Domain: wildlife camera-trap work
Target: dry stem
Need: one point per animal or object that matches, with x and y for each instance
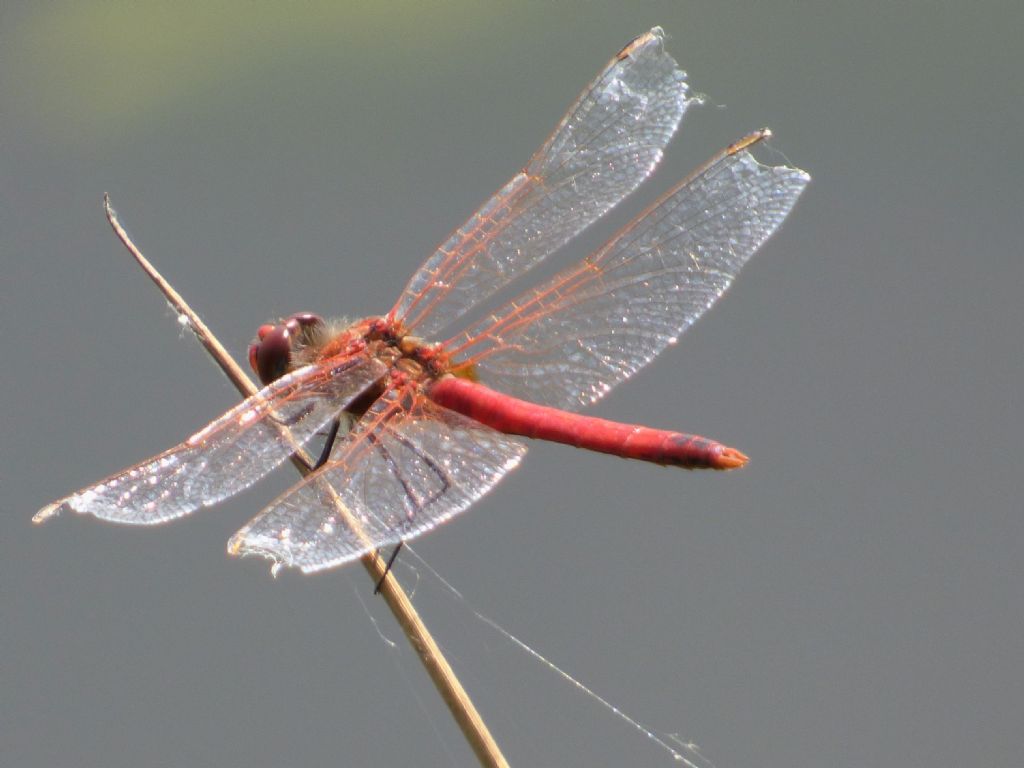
(448, 686)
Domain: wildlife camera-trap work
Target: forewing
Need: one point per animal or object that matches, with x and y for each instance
(229, 454)
(408, 466)
(607, 144)
(569, 341)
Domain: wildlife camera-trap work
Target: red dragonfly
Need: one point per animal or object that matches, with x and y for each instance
(421, 437)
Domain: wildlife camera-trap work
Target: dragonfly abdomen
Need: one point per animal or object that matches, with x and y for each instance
(520, 417)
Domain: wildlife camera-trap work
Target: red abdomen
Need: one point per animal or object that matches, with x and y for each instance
(519, 417)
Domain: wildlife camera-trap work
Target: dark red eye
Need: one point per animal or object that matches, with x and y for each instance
(304, 320)
(271, 355)
(254, 349)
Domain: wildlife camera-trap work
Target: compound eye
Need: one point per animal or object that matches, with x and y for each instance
(254, 349)
(303, 321)
(272, 354)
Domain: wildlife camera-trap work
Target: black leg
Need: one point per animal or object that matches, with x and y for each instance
(387, 568)
(328, 445)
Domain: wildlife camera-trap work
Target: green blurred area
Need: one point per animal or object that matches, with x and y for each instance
(77, 69)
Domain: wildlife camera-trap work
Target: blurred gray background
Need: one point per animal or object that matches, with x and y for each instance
(853, 598)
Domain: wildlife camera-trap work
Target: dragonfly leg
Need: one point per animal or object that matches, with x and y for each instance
(332, 435)
(387, 568)
(325, 452)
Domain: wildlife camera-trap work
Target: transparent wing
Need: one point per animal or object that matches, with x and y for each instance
(608, 143)
(569, 341)
(408, 466)
(229, 454)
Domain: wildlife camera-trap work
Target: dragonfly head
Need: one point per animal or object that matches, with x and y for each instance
(271, 355)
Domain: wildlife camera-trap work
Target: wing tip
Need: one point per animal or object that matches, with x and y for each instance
(239, 546)
(654, 35)
(748, 141)
(236, 545)
(765, 134)
(242, 544)
(50, 510)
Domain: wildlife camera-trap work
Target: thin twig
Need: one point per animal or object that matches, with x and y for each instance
(448, 686)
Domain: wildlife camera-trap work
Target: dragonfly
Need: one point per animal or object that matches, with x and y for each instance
(417, 429)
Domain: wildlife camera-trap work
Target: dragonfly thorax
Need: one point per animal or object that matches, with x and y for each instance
(305, 338)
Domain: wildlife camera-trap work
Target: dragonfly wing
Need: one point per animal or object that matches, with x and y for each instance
(569, 341)
(608, 143)
(408, 466)
(230, 453)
